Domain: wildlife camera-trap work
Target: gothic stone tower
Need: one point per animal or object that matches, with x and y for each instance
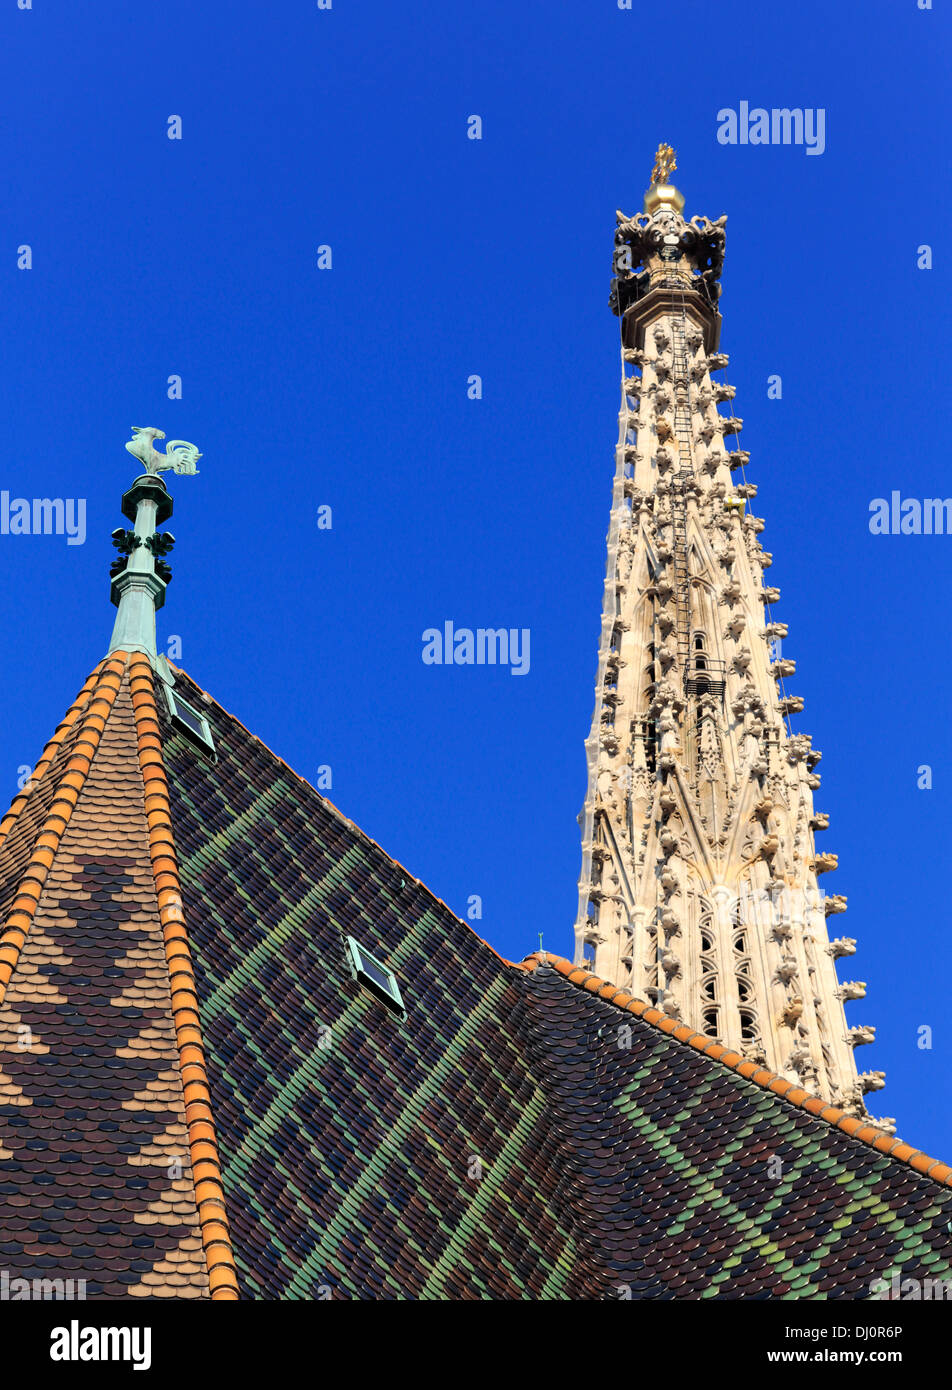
(699, 883)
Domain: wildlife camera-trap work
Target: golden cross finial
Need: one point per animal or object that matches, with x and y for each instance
(664, 163)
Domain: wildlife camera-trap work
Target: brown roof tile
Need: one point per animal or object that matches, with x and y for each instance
(84, 966)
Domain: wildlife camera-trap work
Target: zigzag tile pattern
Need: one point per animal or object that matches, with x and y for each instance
(526, 1132)
(363, 1157)
(95, 1179)
(499, 1143)
(690, 1181)
(17, 846)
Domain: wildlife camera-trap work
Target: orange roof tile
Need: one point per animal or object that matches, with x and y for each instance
(103, 686)
(92, 708)
(49, 752)
(206, 1161)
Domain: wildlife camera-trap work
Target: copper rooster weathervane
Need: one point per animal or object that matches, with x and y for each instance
(179, 454)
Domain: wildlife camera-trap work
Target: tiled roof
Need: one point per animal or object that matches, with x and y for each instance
(203, 1145)
(795, 1095)
(173, 940)
(66, 730)
(499, 1143)
(362, 1157)
(96, 1173)
(693, 1181)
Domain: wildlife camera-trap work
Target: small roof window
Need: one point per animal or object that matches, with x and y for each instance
(189, 719)
(375, 977)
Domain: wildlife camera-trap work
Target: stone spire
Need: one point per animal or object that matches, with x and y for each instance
(141, 575)
(699, 883)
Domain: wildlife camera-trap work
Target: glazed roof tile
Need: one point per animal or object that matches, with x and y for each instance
(348, 1137)
(89, 1016)
(526, 1131)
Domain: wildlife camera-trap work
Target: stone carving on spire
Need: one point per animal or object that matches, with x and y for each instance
(853, 989)
(707, 793)
(872, 1081)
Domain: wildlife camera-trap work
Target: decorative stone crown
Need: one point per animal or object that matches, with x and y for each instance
(660, 241)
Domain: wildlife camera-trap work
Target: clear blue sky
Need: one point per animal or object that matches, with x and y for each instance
(347, 387)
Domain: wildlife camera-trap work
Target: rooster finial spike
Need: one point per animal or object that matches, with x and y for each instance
(141, 574)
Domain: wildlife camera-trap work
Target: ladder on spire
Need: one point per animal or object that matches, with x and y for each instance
(682, 430)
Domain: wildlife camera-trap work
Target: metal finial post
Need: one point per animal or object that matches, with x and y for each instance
(141, 575)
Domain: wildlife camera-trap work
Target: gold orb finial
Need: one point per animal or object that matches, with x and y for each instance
(662, 193)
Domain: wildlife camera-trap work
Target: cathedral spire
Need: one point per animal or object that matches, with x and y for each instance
(699, 885)
(141, 575)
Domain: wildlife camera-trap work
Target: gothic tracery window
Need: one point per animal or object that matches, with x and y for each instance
(709, 989)
(748, 1026)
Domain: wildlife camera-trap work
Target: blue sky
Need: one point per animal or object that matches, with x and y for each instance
(347, 387)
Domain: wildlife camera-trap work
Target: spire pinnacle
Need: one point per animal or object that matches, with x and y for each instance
(699, 885)
(662, 193)
(140, 574)
(664, 164)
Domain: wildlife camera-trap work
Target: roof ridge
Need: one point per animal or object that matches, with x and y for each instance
(104, 686)
(49, 752)
(199, 1116)
(346, 819)
(751, 1071)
